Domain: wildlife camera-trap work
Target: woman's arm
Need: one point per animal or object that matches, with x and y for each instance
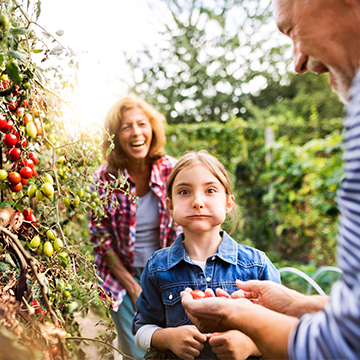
(122, 275)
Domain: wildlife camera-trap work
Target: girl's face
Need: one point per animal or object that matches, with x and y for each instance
(135, 134)
(199, 202)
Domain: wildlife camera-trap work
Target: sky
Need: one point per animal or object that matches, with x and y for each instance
(99, 32)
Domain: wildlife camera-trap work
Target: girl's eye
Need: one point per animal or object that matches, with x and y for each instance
(211, 191)
(183, 192)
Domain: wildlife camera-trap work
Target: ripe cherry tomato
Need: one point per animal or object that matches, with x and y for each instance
(7, 126)
(54, 351)
(34, 157)
(14, 166)
(16, 187)
(14, 154)
(39, 130)
(21, 142)
(35, 304)
(26, 172)
(2, 122)
(24, 181)
(197, 294)
(9, 140)
(11, 106)
(27, 118)
(32, 218)
(27, 211)
(14, 177)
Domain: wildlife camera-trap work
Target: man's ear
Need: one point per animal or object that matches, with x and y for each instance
(169, 206)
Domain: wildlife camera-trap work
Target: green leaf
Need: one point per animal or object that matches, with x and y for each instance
(47, 34)
(37, 51)
(60, 32)
(17, 55)
(13, 71)
(18, 31)
(57, 50)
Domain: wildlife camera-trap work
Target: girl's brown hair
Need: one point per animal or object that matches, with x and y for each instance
(117, 158)
(202, 157)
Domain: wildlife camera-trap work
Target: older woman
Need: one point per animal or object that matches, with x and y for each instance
(129, 233)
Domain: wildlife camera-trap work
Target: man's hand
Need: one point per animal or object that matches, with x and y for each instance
(186, 341)
(210, 314)
(232, 345)
(279, 298)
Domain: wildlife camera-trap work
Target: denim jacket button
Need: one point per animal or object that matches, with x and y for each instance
(213, 258)
(170, 297)
(208, 278)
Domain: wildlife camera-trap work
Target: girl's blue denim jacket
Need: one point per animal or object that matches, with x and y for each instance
(170, 270)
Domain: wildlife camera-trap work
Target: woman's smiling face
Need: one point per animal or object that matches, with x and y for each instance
(135, 134)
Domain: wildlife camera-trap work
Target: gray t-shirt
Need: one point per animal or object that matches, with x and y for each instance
(147, 228)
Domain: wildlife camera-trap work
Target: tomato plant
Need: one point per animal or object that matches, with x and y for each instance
(46, 166)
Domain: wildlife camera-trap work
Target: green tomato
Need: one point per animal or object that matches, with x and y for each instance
(31, 129)
(66, 293)
(48, 190)
(76, 201)
(59, 285)
(49, 179)
(50, 234)
(35, 242)
(3, 186)
(80, 192)
(39, 195)
(3, 175)
(58, 244)
(32, 191)
(66, 201)
(40, 250)
(4, 21)
(48, 249)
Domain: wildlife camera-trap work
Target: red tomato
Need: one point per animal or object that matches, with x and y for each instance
(34, 171)
(21, 143)
(39, 130)
(9, 140)
(197, 294)
(34, 157)
(14, 177)
(11, 106)
(7, 126)
(14, 154)
(32, 218)
(13, 166)
(2, 122)
(26, 172)
(27, 211)
(16, 187)
(35, 304)
(24, 181)
(54, 351)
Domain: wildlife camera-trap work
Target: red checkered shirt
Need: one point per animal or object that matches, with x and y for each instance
(117, 229)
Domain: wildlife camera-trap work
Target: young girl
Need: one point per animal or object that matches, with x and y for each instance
(203, 256)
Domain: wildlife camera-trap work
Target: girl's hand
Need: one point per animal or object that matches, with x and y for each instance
(232, 345)
(186, 341)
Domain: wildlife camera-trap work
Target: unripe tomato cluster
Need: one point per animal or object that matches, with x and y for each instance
(47, 246)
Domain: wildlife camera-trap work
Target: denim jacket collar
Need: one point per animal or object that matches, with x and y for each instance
(226, 250)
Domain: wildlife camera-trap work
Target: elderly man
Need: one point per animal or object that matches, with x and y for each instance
(282, 322)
